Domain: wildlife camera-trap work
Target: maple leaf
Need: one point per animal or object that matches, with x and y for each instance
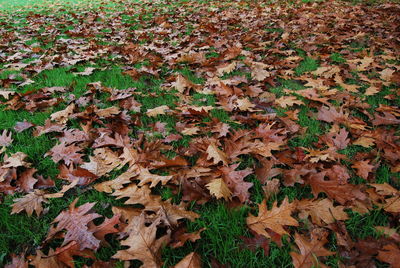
(192, 260)
(5, 138)
(310, 250)
(363, 168)
(216, 154)
(390, 254)
(30, 203)
(68, 153)
(218, 188)
(75, 221)
(142, 242)
(321, 211)
(273, 219)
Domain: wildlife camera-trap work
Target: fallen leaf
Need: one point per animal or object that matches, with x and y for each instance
(274, 219)
(218, 188)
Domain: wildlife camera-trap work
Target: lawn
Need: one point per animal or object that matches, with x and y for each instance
(199, 133)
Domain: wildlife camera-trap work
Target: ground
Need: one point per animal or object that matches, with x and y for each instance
(200, 111)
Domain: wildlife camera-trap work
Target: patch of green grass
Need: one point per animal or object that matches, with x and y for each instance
(307, 65)
(362, 225)
(221, 240)
(337, 58)
(314, 129)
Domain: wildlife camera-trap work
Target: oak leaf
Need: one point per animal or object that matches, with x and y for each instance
(363, 168)
(321, 211)
(310, 251)
(274, 219)
(286, 101)
(75, 221)
(31, 202)
(157, 111)
(387, 119)
(5, 138)
(21, 126)
(68, 153)
(235, 181)
(218, 188)
(192, 260)
(63, 115)
(216, 154)
(15, 160)
(390, 254)
(226, 68)
(142, 242)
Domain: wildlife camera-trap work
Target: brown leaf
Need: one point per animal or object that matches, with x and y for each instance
(142, 242)
(68, 153)
(216, 154)
(274, 219)
(192, 260)
(5, 138)
(30, 202)
(15, 160)
(21, 126)
(363, 168)
(26, 181)
(66, 253)
(390, 254)
(218, 188)
(181, 237)
(75, 221)
(310, 251)
(235, 181)
(321, 211)
(157, 111)
(258, 241)
(17, 262)
(387, 119)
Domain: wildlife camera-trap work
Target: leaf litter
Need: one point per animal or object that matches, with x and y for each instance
(245, 54)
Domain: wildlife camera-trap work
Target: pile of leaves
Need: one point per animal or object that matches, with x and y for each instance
(241, 119)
